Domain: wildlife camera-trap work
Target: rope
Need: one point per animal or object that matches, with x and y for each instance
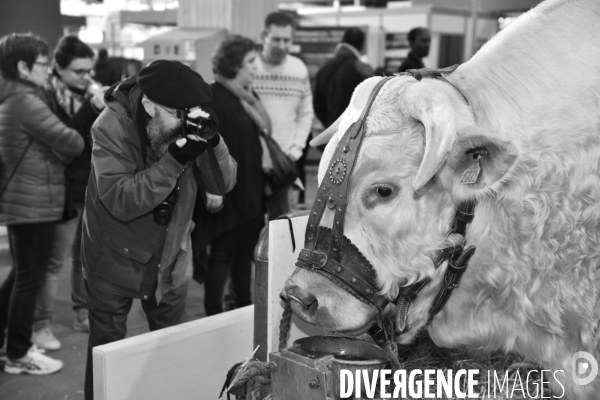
(256, 373)
(284, 326)
(391, 348)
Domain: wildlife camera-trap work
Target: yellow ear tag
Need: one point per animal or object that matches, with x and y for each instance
(471, 174)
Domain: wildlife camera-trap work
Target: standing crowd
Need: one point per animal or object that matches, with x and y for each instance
(131, 181)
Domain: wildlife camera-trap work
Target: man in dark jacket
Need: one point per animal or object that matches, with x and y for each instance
(140, 198)
(337, 79)
(105, 73)
(420, 41)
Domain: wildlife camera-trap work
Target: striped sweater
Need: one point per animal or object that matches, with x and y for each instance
(285, 92)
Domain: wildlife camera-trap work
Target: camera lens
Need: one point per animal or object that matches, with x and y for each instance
(203, 127)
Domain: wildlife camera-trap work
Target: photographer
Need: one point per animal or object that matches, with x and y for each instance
(146, 162)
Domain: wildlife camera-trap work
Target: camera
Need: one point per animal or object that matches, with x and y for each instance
(164, 211)
(206, 128)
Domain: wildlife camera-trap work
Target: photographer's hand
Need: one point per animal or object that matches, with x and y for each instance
(97, 99)
(198, 112)
(214, 203)
(186, 149)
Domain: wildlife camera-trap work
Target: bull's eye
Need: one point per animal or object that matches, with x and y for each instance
(384, 191)
(379, 194)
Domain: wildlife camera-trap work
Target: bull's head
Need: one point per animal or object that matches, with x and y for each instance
(402, 194)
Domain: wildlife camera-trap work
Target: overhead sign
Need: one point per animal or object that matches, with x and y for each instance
(395, 41)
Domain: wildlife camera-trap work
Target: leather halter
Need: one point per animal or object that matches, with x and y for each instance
(324, 256)
(331, 254)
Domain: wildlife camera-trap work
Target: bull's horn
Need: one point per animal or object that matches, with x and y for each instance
(327, 134)
(425, 102)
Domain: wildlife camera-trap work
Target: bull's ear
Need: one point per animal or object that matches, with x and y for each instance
(479, 161)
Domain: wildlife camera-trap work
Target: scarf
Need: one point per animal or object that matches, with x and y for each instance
(68, 99)
(256, 111)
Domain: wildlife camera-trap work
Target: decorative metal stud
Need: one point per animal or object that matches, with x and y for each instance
(368, 290)
(346, 149)
(331, 202)
(353, 280)
(338, 269)
(337, 171)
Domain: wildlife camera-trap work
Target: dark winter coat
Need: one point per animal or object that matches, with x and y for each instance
(246, 201)
(121, 241)
(36, 192)
(335, 83)
(411, 62)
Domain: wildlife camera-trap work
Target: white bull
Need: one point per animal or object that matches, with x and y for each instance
(532, 285)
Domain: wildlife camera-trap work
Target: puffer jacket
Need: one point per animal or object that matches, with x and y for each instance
(36, 192)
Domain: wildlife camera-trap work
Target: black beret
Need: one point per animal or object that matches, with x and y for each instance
(174, 85)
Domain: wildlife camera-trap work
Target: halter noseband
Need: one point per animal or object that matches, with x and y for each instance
(331, 254)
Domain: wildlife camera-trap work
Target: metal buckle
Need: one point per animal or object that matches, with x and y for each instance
(450, 286)
(322, 261)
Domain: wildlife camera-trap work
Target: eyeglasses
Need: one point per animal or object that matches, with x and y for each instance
(172, 112)
(82, 72)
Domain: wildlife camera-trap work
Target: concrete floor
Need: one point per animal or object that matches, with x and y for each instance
(68, 383)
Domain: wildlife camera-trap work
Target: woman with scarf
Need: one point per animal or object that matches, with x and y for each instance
(232, 228)
(74, 102)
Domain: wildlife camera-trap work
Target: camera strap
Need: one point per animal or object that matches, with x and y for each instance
(216, 182)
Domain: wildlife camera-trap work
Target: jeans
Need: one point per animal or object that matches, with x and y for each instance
(30, 247)
(108, 318)
(67, 243)
(231, 252)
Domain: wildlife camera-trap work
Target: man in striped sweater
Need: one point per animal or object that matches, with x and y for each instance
(282, 82)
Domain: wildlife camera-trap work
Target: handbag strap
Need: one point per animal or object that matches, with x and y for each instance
(15, 169)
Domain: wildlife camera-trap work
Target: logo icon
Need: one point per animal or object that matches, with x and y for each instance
(584, 368)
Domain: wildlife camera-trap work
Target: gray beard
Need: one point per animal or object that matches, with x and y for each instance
(160, 137)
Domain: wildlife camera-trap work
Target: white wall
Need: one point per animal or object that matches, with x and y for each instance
(187, 361)
(404, 22)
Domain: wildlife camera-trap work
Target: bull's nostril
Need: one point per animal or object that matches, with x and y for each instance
(284, 297)
(309, 301)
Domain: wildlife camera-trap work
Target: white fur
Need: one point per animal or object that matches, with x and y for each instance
(532, 285)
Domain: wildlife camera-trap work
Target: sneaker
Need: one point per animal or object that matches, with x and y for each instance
(34, 363)
(81, 322)
(44, 339)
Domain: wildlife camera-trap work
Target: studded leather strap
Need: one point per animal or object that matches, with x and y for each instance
(333, 191)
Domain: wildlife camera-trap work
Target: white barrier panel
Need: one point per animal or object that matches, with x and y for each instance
(187, 361)
(281, 265)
